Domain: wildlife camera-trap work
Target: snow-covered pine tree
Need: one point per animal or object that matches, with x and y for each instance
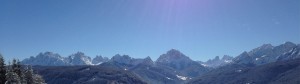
(32, 78)
(38, 79)
(2, 70)
(28, 73)
(16, 67)
(12, 77)
(23, 79)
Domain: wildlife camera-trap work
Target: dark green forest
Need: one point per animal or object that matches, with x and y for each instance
(15, 73)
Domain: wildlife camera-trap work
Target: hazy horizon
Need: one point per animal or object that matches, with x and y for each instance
(200, 29)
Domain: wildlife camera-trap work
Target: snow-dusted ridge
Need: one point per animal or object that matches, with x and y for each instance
(54, 59)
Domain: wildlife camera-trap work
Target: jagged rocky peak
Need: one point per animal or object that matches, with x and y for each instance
(288, 43)
(172, 55)
(79, 59)
(217, 62)
(46, 58)
(217, 58)
(266, 46)
(48, 54)
(243, 58)
(178, 61)
(262, 50)
(79, 54)
(148, 60)
(227, 57)
(120, 57)
(244, 54)
(175, 53)
(292, 54)
(126, 59)
(266, 54)
(284, 47)
(99, 59)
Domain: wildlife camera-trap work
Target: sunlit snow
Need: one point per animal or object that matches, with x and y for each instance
(181, 77)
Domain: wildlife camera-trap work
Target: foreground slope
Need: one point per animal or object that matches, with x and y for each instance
(86, 75)
(281, 72)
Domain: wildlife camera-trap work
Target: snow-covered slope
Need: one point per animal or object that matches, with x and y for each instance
(292, 54)
(266, 54)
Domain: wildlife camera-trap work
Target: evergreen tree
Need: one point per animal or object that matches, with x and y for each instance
(12, 77)
(38, 79)
(32, 78)
(29, 75)
(16, 66)
(15, 74)
(2, 70)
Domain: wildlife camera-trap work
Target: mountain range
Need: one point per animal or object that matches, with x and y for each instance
(174, 67)
(54, 59)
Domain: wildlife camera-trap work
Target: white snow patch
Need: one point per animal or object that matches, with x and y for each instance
(293, 53)
(168, 78)
(93, 78)
(204, 65)
(181, 77)
(256, 58)
(98, 63)
(239, 70)
(227, 61)
(87, 69)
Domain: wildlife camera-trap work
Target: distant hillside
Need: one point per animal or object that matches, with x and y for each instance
(86, 75)
(281, 72)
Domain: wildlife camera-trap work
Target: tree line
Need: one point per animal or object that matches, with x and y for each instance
(15, 73)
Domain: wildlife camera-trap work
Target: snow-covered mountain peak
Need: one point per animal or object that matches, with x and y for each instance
(79, 59)
(227, 57)
(148, 61)
(173, 55)
(266, 54)
(266, 46)
(49, 54)
(126, 59)
(216, 62)
(288, 43)
(178, 61)
(47, 58)
(217, 58)
(176, 54)
(99, 59)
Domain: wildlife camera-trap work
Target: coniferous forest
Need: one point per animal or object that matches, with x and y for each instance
(15, 73)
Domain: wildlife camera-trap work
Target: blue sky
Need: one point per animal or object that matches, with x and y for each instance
(201, 29)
